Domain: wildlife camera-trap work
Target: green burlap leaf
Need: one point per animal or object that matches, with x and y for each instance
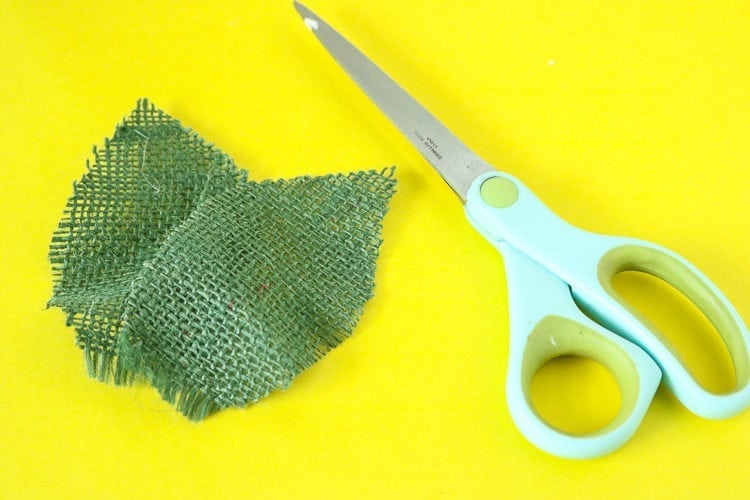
(172, 267)
(256, 285)
(146, 180)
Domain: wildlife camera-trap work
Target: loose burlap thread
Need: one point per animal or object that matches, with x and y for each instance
(175, 269)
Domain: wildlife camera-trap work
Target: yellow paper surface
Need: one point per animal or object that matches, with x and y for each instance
(625, 117)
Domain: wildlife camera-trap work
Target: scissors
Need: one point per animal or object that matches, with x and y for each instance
(559, 278)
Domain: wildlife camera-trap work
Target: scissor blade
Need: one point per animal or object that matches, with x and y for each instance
(451, 158)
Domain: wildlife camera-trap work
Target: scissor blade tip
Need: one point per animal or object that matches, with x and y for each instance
(311, 20)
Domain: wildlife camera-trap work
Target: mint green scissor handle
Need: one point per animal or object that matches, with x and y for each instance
(545, 324)
(552, 269)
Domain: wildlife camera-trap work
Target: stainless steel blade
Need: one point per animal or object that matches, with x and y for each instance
(451, 158)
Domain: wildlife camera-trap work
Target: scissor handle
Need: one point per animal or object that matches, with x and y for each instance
(504, 210)
(544, 324)
(618, 315)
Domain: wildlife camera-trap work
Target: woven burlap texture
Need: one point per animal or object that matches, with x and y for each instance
(147, 179)
(173, 268)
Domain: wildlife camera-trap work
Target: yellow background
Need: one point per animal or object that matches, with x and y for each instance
(625, 117)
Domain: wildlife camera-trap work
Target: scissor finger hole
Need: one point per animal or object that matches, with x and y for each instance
(575, 394)
(682, 309)
(682, 326)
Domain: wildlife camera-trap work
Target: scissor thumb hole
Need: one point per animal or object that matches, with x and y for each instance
(696, 288)
(574, 394)
(558, 339)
